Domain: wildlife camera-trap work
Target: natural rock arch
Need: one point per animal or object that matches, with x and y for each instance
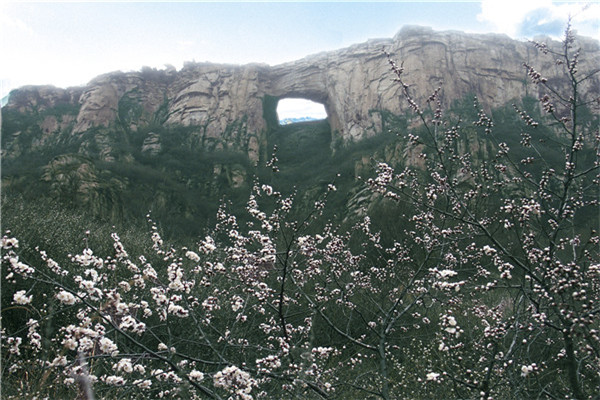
(303, 81)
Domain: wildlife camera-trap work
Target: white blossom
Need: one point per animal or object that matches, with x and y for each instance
(108, 346)
(489, 251)
(21, 298)
(124, 365)
(192, 256)
(527, 369)
(143, 383)
(115, 380)
(235, 380)
(196, 375)
(433, 376)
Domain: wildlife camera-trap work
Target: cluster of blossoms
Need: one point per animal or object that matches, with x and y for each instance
(433, 376)
(441, 280)
(535, 76)
(526, 117)
(196, 376)
(107, 346)
(547, 105)
(21, 298)
(450, 325)
(16, 266)
(66, 298)
(322, 352)
(484, 121)
(527, 369)
(35, 339)
(235, 381)
(268, 364)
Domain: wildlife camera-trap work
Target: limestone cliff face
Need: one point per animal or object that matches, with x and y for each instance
(224, 103)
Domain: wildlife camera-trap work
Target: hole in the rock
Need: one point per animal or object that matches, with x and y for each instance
(302, 136)
(292, 110)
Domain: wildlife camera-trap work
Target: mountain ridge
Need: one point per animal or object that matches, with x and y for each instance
(226, 103)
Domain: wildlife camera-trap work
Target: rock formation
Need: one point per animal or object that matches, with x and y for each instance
(225, 103)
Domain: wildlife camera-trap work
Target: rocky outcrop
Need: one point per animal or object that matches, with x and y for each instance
(151, 144)
(224, 104)
(34, 99)
(130, 99)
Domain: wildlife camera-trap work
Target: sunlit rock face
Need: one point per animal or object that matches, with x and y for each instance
(224, 103)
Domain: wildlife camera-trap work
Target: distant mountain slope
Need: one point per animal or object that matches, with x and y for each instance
(287, 121)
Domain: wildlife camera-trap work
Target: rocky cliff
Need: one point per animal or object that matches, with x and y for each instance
(179, 143)
(225, 105)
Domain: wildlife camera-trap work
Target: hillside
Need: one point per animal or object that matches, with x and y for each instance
(176, 142)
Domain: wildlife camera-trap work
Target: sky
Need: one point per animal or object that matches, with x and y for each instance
(69, 43)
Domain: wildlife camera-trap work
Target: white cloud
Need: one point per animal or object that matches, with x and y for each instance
(505, 15)
(10, 23)
(519, 19)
